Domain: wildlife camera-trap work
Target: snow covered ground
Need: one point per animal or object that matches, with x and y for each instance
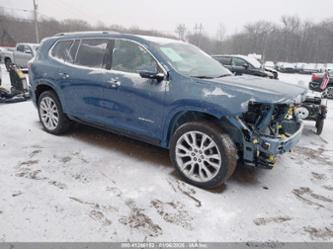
(90, 185)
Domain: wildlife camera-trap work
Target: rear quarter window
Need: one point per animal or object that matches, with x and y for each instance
(61, 51)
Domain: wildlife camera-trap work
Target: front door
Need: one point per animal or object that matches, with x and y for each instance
(136, 104)
(239, 66)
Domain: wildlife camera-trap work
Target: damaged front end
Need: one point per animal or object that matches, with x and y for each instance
(268, 130)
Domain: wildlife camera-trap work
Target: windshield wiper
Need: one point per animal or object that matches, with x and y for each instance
(202, 77)
(211, 77)
(224, 75)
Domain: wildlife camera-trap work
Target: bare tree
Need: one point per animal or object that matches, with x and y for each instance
(181, 31)
(221, 32)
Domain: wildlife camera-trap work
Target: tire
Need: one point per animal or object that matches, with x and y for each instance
(191, 160)
(329, 94)
(48, 105)
(319, 126)
(8, 63)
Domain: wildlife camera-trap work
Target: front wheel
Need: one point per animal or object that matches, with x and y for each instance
(202, 154)
(51, 115)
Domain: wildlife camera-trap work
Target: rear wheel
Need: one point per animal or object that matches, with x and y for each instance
(51, 115)
(202, 154)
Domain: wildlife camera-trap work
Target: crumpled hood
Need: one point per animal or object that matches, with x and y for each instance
(234, 92)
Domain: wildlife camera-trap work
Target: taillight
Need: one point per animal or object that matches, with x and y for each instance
(315, 77)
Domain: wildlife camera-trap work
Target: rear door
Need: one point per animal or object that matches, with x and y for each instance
(83, 77)
(88, 80)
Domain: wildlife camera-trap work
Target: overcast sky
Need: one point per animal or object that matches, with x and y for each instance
(164, 15)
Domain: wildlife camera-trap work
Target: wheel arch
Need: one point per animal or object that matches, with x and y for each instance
(44, 85)
(184, 116)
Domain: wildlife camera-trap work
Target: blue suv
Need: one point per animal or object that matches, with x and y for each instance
(167, 93)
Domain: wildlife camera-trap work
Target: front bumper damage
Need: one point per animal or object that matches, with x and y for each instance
(269, 135)
(268, 148)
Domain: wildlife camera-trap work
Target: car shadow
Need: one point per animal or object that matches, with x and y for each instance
(149, 153)
(144, 152)
(138, 150)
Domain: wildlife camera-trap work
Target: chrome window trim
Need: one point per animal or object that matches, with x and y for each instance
(101, 38)
(54, 45)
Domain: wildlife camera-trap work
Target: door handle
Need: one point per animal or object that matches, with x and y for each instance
(64, 75)
(114, 84)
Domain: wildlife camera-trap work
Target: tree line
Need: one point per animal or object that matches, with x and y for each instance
(290, 40)
(14, 29)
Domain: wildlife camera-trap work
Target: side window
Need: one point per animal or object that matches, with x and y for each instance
(93, 53)
(20, 48)
(130, 57)
(238, 62)
(27, 49)
(62, 51)
(225, 60)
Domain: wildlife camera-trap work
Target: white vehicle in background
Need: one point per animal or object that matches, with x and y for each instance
(310, 68)
(20, 56)
(321, 67)
(299, 67)
(1, 53)
(286, 67)
(3, 50)
(329, 66)
(269, 64)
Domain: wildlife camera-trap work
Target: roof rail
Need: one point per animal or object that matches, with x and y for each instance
(86, 32)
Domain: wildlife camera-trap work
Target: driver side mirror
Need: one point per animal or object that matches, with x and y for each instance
(27, 51)
(151, 75)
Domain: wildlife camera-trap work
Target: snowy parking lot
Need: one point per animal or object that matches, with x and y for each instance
(90, 185)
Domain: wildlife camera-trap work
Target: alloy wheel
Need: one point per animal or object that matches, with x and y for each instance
(198, 156)
(329, 93)
(49, 113)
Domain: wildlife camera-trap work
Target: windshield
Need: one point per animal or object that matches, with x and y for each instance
(191, 61)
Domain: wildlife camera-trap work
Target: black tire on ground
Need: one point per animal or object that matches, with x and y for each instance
(8, 63)
(224, 143)
(329, 94)
(64, 123)
(319, 126)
